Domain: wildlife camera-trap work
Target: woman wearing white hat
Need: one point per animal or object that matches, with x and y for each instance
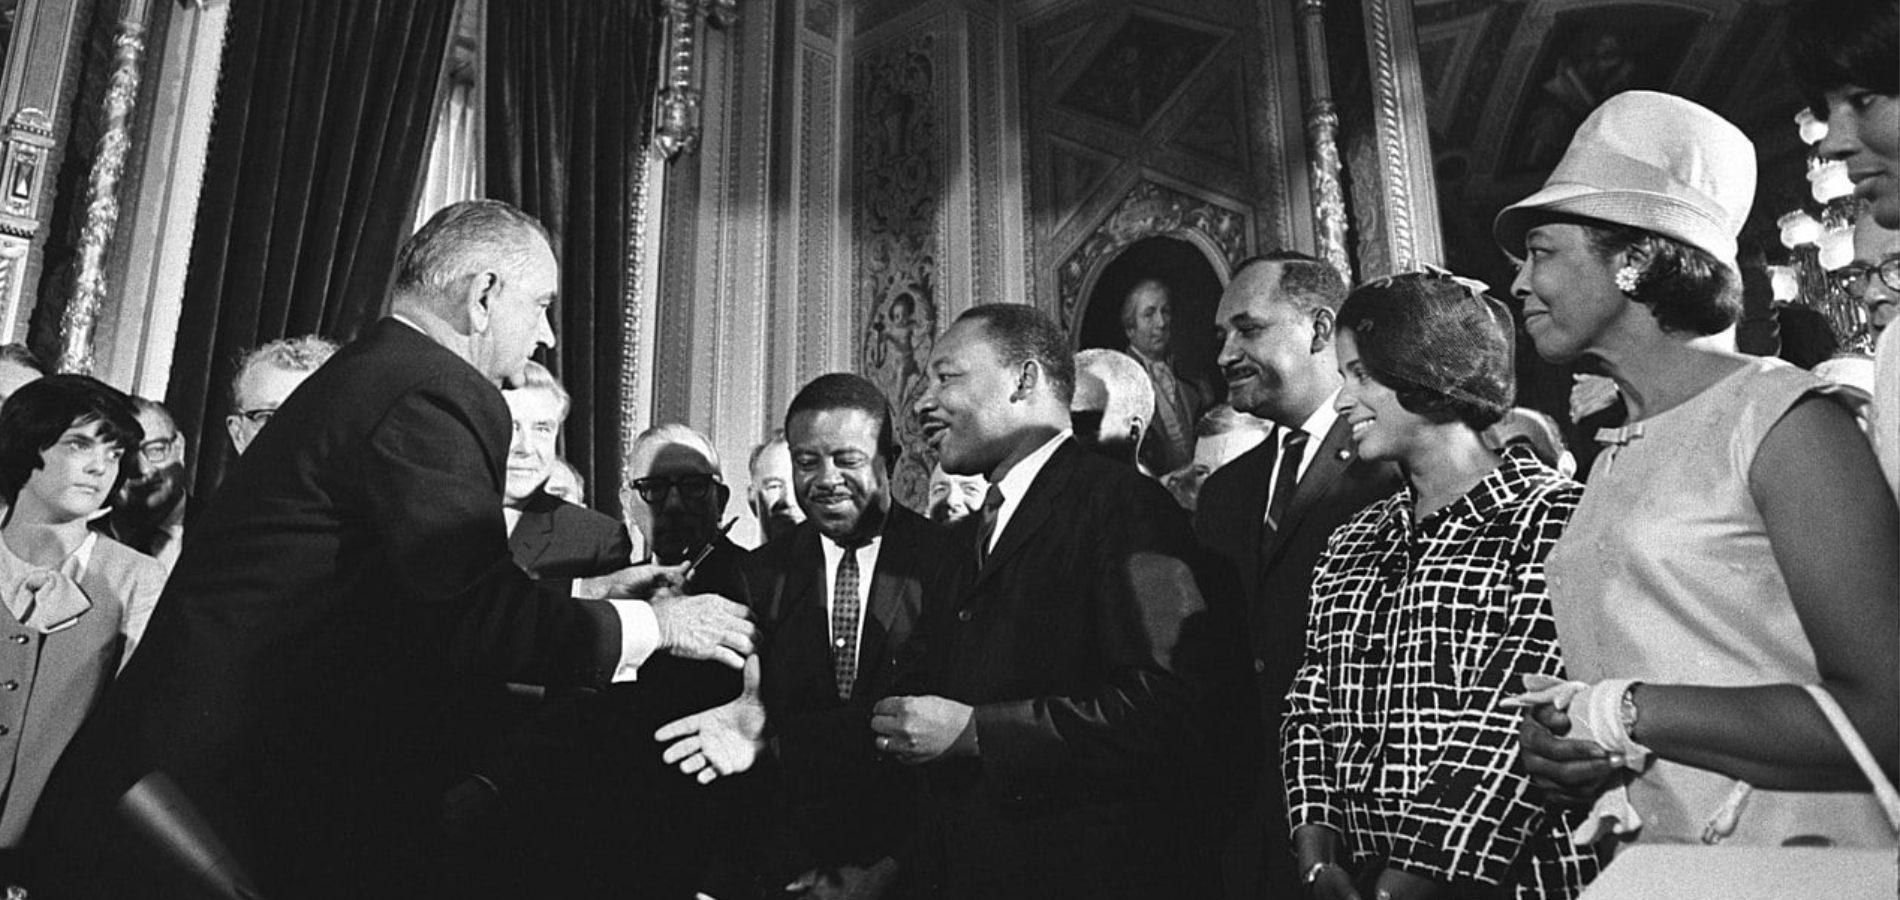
(1735, 542)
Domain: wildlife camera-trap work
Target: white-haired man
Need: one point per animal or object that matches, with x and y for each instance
(1113, 405)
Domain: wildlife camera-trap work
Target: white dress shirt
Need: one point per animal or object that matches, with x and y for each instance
(1316, 428)
(1017, 480)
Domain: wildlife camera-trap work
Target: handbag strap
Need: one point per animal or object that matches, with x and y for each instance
(1889, 799)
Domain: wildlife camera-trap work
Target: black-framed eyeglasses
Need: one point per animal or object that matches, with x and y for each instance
(1854, 277)
(691, 487)
(157, 449)
(258, 417)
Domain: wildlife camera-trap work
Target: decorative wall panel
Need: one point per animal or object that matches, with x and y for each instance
(898, 184)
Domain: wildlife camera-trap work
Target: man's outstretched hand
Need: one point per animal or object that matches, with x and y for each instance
(724, 740)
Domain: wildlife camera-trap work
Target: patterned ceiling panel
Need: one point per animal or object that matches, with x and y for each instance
(1132, 77)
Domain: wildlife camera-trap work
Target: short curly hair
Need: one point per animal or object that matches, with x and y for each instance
(33, 419)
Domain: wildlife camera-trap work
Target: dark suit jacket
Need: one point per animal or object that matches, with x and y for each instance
(591, 809)
(1264, 581)
(837, 801)
(1079, 644)
(557, 540)
(350, 577)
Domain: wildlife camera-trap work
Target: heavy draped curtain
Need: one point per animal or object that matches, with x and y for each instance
(310, 184)
(570, 88)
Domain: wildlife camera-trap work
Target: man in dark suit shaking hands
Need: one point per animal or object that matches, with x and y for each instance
(1266, 515)
(1060, 698)
(352, 575)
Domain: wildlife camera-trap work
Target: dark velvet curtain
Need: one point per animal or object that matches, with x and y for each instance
(570, 88)
(316, 155)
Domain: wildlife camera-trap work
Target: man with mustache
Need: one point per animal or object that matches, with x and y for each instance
(148, 514)
(1058, 714)
(1266, 516)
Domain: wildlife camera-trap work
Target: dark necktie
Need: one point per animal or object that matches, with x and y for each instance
(844, 623)
(1292, 447)
(992, 504)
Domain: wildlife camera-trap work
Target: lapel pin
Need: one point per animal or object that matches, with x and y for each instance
(1343, 454)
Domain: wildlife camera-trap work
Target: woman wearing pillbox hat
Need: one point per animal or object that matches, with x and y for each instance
(1736, 542)
(1429, 609)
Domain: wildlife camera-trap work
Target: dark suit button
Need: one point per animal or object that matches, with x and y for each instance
(9, 685)
(18, 638)
(963, 615)
(1259, 666)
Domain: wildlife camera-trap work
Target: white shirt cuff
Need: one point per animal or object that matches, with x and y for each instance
(639, 637)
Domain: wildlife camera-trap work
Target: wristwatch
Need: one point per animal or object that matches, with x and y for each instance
(1312, 872)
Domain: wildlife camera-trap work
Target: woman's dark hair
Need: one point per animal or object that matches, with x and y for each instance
(33, 419)
(1835, 43)
(1439, 343)
(1683, 286)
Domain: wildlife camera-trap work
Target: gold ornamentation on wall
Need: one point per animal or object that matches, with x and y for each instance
(102, 202)
(677, 116)
(1322, 142)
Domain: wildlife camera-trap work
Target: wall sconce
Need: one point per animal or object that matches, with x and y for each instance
(677, 108)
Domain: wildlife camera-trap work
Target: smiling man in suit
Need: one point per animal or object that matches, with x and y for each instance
(551, 538)
(1059, 701)
(1266, 515)
(838, 598)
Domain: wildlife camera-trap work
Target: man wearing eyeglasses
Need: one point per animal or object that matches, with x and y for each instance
(149, 512)
(265, 379)
(1874, 277)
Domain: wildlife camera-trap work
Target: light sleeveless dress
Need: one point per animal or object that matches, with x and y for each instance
(1666, 575)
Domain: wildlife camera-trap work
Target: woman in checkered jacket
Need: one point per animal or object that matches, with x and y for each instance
(1428, 609)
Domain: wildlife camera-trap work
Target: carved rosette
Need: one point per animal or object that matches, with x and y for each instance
(102, 202)
(1150, 210)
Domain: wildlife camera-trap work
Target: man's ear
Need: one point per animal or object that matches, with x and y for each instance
(1027, 375)
(1322, 329)
(724, 492)
(1137, 427)
(483, 288)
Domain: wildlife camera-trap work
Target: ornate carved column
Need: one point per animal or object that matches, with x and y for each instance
(1322, 141)
(102, 202)
(1403, 178)
(28, 138)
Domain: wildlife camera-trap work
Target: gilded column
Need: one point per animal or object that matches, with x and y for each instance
(102, 202)
(1322, 141)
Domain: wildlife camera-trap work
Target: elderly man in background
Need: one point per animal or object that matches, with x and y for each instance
(549, 537)
(953, 497)
(1874, 277)
(770, 492)
(1113, 405)
(265, 379)
(149, 513)
(1180, 395)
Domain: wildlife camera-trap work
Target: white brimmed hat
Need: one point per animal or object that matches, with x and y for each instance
(1651, 161)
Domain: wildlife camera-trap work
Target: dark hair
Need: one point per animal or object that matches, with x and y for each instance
(1443, 347)
(40, 411)
(1685, 288)
(22, 355)
(1310, 282)
(843, 390)
(1835, 43)
(1022, 334)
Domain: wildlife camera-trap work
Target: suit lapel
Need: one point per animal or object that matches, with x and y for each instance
(534, 533)
(1334, 456)
(887, 620)
(1032, 512)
